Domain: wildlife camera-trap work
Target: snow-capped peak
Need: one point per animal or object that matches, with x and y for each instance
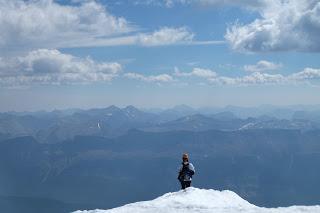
(194, 200)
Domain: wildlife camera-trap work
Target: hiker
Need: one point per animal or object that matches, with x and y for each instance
(186, 171)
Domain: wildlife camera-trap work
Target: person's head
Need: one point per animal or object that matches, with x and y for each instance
(185, 157)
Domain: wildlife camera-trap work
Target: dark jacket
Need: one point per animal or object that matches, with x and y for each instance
(185, 172)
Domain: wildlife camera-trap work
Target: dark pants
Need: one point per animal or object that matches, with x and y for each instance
(185, 184)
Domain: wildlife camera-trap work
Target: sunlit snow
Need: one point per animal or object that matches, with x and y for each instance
(201, 201)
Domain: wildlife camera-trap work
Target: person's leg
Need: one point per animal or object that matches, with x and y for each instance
(183, 185)
(188, 184)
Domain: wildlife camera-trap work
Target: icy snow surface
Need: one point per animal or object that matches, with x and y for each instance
(201, 201)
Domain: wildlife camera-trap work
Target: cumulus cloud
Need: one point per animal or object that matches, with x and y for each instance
(198, 72)
(306, 74)
(45, 66)
(283, 26)
(152, 78)
(35, 24)
(262, 66)
(46, 23)
(32, 30)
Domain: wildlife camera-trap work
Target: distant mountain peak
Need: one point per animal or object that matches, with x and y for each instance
(113, 108)
(131, 108)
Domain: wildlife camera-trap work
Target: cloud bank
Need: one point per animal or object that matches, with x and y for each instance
(31, 32)
(255, 78)
(45, 66)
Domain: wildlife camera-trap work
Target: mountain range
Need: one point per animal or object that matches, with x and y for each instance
(267, 167)
(58, 126)
(62, 161)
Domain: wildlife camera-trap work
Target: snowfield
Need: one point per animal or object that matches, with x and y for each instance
(201, 201)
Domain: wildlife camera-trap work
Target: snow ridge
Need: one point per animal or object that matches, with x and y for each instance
(194, 200)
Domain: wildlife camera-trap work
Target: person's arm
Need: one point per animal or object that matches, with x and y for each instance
(180, 172)
(191, 169)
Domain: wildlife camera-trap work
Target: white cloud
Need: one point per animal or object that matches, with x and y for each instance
(255, 78)
(45, 66)
(35, 24)
(306, 74)
(166, 36)
(283, 26)
(262, 66)
(161, 37)
(303, 76)
(250, 4)
(198, 72)
(152, 78)
(46, 23)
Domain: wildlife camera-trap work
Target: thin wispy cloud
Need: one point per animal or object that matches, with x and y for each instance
(250, 4)
(166, 36)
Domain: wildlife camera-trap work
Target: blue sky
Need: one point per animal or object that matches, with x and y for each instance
(147, 53)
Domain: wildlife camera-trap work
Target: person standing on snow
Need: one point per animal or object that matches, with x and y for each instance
(186, 171)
